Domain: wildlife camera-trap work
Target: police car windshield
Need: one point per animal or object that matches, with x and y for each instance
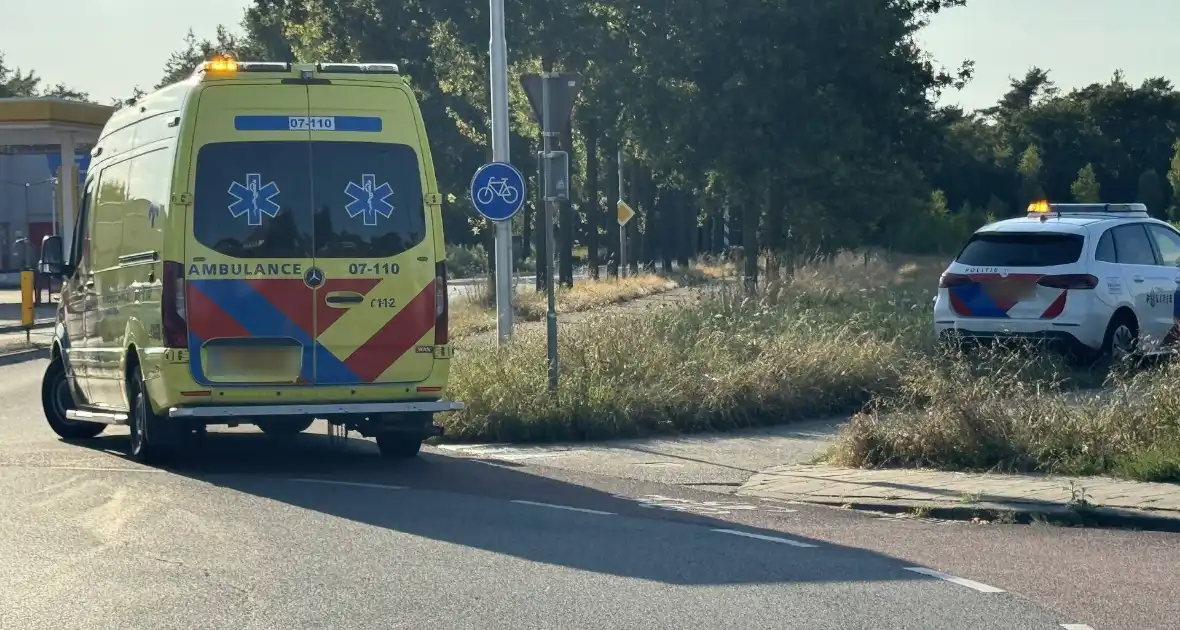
(287, 199)
(1013, 249)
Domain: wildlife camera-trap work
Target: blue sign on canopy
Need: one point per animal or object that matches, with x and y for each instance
(497, 190)
(81, 161)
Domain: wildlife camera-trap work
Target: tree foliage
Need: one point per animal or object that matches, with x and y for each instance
(17, 83)
(812, 126)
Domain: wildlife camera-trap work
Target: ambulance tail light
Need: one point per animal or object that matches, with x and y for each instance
(175, 316)
(442, 309)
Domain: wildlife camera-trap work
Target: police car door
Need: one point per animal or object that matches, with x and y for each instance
(1147, 283)
(1167, 247)
(248, 249)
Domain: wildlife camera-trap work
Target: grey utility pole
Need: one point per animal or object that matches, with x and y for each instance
(622, 226)
(498, 51)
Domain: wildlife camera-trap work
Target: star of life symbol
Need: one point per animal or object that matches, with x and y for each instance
(369, 199)
(254, 199)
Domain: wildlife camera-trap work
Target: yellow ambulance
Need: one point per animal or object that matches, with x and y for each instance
(260, 244)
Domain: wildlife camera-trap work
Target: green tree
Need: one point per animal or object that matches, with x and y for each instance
(1085, 188)
(1174, 181)
(17, 83)
(1029, 168)
(1151, 192)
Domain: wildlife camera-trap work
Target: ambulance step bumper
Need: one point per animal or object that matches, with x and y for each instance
(316, 411)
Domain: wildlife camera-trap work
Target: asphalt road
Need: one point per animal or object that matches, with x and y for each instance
(253, 532)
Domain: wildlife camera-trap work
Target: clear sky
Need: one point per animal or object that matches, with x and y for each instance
(1078, 41)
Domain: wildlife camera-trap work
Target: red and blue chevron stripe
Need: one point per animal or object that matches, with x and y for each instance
(286, 308)
(275, 308)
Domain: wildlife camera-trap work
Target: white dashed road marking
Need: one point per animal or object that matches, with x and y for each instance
(355, 484)
(1076, 626)
(972, 584)
(785, 541)
(564, 507)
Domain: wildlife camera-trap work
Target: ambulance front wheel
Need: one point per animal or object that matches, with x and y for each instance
(399, 445)
(56, 400)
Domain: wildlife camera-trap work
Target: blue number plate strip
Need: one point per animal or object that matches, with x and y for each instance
(307, 123)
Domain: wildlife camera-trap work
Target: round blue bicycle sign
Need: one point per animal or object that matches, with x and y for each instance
(497, 191)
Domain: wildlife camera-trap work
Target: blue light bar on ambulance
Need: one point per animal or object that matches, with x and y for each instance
(357, 68)
(1044, 209)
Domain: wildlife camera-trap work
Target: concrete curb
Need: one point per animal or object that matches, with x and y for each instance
(1021, 513)
(37, 325)
(31, 354)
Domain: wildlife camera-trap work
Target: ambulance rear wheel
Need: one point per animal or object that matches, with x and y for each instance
(398, 445)
(284, 428)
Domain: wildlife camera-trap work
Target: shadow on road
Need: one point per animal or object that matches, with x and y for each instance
(465, 502)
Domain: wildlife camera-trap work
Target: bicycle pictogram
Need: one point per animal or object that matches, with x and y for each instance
(497, 188)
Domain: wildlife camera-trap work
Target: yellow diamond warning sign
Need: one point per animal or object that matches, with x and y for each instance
(625, 212)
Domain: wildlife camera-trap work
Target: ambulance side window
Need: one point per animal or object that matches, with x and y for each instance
(80, 248)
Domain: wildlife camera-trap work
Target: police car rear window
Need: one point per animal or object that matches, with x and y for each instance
(1000, 249)
(286, 199)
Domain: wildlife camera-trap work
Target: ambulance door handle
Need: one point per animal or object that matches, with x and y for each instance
(344, 299)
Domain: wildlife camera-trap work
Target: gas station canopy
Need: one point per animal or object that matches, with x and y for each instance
(38, 121)
(49, 121)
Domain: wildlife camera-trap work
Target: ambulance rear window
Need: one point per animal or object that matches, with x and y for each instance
(253, 199)
(368, 199)
(287, 199)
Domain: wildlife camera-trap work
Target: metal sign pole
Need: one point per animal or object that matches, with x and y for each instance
(503, 254)
(551, 315)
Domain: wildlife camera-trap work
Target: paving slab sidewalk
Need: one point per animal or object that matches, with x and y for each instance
(1111, 501)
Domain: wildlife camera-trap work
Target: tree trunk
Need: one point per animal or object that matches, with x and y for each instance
(750, 218)
(774, 227)
(593, 208)
(687, 224)
(612, 200)
(565, 259)
(635, 237)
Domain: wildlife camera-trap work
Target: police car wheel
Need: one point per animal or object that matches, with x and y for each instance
(56, 400)
(1122, 338)
(398, 445)
(283, 428)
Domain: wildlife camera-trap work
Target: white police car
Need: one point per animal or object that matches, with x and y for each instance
(1093, 279)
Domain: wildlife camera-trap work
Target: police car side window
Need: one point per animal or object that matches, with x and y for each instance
(1105, 251)
(1132, 245)
(1168, 244)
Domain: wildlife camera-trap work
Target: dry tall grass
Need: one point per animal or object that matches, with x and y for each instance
(844, 335)
(813, 346)
(473, 312)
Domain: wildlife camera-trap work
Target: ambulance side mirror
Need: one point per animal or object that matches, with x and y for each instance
(53, 261)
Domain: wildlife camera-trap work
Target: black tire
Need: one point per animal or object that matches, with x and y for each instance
(152, 439)
(1121, 341)
(56, 399)
(284, 428)
(399, 445)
